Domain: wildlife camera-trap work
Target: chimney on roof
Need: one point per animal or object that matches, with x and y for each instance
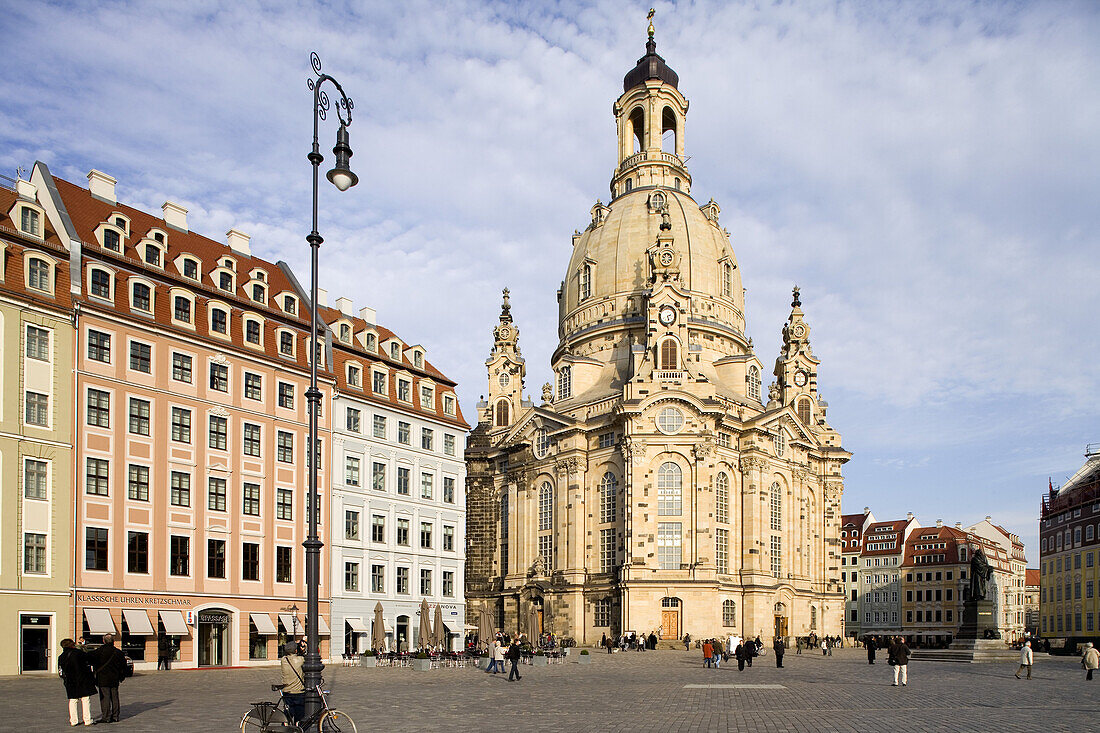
(939, 523)
(958, 525)
(909, 517)
(238, 242)
(322, 297)
(866, 510)
(26, 189)
(175, 215)
(369, 315)
(344, 305)
(102, 186)
(988, 518)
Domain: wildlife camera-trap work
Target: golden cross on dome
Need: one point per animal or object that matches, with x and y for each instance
(652, 12)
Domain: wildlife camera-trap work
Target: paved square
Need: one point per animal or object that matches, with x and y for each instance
(650, 691)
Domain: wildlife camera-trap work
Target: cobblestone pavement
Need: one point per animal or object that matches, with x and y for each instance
(651, 691)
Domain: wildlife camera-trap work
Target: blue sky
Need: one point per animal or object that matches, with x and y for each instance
(928, 173)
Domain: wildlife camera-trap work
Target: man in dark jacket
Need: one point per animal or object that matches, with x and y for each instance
(76, 673)
(899, 654)
(871, 644)
(741, 651)
(110, 666)
(513, 657)
(779, 648)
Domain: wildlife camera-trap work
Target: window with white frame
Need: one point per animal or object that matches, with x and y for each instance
(729, 613)
(722, 550)
(101, 284)
(601, 613)
(777, 556)
(776, 499)
(669, 545)
(426, 485)
(546, 551)
(35, 478)
(39, 275)
(669, 489)
(754, 383)
(37, 343)
(565, 383)
(427, 397)
(609, 489)
(607, 550)
(722, 497)
(351, 471)
(546, 506)
(586, 281)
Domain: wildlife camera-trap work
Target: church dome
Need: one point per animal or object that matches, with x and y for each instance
(650, 66)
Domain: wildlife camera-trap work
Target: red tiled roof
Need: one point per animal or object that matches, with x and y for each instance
(896, 526)
(1031, 577)
(17, 243)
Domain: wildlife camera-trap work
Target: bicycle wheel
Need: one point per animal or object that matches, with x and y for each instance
(333, 721)
(265, 719)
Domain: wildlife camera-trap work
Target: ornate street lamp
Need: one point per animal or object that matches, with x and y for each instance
(341, 177)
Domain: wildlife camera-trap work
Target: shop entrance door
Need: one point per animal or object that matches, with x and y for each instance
(34, 642)
(213, 638)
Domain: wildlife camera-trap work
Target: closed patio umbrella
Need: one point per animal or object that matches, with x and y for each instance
(533, 625)
(378, 633)
(439, 634)
(484, 627)
(425, 636)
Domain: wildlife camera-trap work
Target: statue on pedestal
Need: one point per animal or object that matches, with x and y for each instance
(980, 572)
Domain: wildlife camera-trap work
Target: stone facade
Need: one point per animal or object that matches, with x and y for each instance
(654, 487)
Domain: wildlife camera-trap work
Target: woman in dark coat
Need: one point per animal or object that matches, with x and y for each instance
(76, 673)
(871, 644)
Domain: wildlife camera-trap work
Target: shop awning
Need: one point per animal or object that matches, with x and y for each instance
(174, 623)
(137, 622)
(99, 621)
(322, 626)
(470, 627)
(263, 623)
(357, 625)
(291, 624)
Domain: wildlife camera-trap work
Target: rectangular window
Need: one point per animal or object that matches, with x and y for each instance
(404, 433)
(448, 444)
(181, 425)
(138, 483)
(378, 476)
(181, 367)
(215, 558)
(96, 477)
(546, 551)
(351, 471)
(377, 578)
(181, 307)
(34, 553)
(253, 386)
(215, 498)
(28, 221)
(251, 443)
(286, 395)
(403, 481)
(351, 577)
(285, 447)
(448, 489)
(219, 377)
(426, 535)
(425, 582)
(403, 532)
(404, 390)
(95, 548)
(378, 528)
(179, 556)
(448, 405)
(380, 427)
(426, 485)
(601, 613)
(137, 552)
(722, 550)
(425, 438)
(35, 479)
(181, 489)
(353, 376)
(99, 346)
(606, 440)
(448, 538)
(38, 343)
(37, 409)
(449, 585)
(218, 433)
(286, 343)
(403, 580)
(351, 524)
(141, 357)
(722, 499)
(250, 561)
(607, 550)
(284, 564)
(353, 419)
(284, 504)
(250, 500)
(378, 382)
(777, 556)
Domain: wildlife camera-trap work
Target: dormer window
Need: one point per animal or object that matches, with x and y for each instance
(141, 296)
(252, 331)
(120, 223)
(38, 275)
(286, 343)
(354, 375)
(448, 404)
(152, 255)
(190, 268)
(101, 284)
(586, 281)
(219, 321)
(225, 281)
(290, 305)
(30, 222)
(345, 333)
(258, 293)
(181, 309)
(260, 275)
(427, 397)
(111, 240)
(395, 351)
(372, 342)
(158, 237)
(404, 390)
(418, 359)
(227, 262)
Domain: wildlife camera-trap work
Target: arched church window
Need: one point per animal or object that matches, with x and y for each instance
(609, 487)
(779, 441)
(546, 506)
(804, 410)
(637, 131)
(502, 416)
(676, 183)
(813, 618)
(670, 486)
(668, 131)
(722, 497)
(542, 443)
(670, 354)
(727, 279)
(754, 383)
(565, 383)
(776, 497)
(627, 186)
(586, 281)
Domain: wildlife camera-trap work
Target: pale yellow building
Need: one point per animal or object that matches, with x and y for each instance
(36, 373)
(655, 487)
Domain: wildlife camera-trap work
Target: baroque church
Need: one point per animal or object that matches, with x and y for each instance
(654, 487)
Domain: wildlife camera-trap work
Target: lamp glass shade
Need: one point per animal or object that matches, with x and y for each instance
(341, 175)
(343, 179)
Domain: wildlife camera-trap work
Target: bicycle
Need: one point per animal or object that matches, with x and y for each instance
(272, 717)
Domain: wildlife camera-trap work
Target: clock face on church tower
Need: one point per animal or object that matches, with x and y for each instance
(666, 316)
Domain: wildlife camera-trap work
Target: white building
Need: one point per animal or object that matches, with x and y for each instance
(852, 527)
(880, 576)
(398, 507)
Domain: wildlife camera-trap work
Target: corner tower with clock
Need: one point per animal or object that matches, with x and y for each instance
(654, 488)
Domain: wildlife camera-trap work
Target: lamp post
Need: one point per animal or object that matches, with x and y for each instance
(341, 177)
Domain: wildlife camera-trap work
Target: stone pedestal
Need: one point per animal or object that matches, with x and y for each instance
(977, 618)
(970, 645)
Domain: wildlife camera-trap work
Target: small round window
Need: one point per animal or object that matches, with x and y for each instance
(504, 380)
(670, 420)
(542, 443)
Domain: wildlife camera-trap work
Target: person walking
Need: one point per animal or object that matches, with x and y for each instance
(870, 643)
(687, 642)
(798, 646)
(899, 658)
(831, 643)
(779, 648)
(824, 648)
(513, 657)
(708, 651)
(1026, 660)
(740, 652)
(1090, 660)
(110, 666)
(718, 652)
(294, 684)
(491, 668)
(164, 652)
(76, 672)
